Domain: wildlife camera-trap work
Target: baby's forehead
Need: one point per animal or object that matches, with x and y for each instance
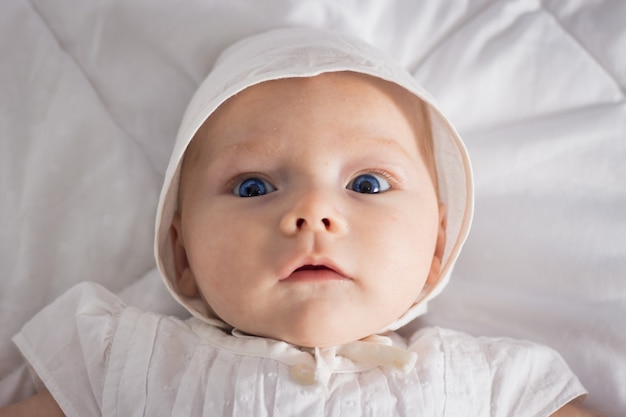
(255, 105)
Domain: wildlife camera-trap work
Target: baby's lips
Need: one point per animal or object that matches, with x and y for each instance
(313, 264)
(314, 268)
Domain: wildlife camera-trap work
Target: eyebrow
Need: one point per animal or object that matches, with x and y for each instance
(269, 146)
(247, 147)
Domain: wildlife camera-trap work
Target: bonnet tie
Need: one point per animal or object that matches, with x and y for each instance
(374, 351)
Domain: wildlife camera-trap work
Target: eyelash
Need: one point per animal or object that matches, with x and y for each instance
(239, 178)
(393, 182)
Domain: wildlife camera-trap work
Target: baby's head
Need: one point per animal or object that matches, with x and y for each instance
(307, 206)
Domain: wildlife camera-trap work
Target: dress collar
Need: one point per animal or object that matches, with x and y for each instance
(314, 366)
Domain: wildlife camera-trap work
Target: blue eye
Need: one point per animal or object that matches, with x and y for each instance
(369, 184)
(253, 187)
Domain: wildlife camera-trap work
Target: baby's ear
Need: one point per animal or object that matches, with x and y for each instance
(185, 279)
(435, 268)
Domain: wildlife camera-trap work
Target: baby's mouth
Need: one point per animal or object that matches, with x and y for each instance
(313, 268)
(309, 273)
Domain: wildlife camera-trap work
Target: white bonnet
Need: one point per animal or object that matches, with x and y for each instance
(305, 52)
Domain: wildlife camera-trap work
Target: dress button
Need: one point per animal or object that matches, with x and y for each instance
(303, 374)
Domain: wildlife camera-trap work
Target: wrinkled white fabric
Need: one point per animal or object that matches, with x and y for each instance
(93, 92)
(114, 360)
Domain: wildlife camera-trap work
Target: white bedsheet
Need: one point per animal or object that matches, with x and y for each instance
(91, 93)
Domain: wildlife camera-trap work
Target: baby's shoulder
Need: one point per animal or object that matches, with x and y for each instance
(457, 344)
(497, 369)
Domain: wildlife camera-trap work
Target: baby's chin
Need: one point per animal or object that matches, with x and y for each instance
(313, 325)
(315, 338)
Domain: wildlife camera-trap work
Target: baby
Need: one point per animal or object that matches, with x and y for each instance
(315, 200)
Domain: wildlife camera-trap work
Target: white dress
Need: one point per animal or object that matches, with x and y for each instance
(98, 356)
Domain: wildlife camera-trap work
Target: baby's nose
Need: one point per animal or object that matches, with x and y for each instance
(324, 223)
(315, 213)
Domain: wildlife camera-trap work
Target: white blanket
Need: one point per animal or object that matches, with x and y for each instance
(91, 94)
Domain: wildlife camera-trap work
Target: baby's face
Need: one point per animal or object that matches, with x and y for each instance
(307, 212)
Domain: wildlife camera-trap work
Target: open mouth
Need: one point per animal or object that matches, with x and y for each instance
(313, 268)
(311, 273)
